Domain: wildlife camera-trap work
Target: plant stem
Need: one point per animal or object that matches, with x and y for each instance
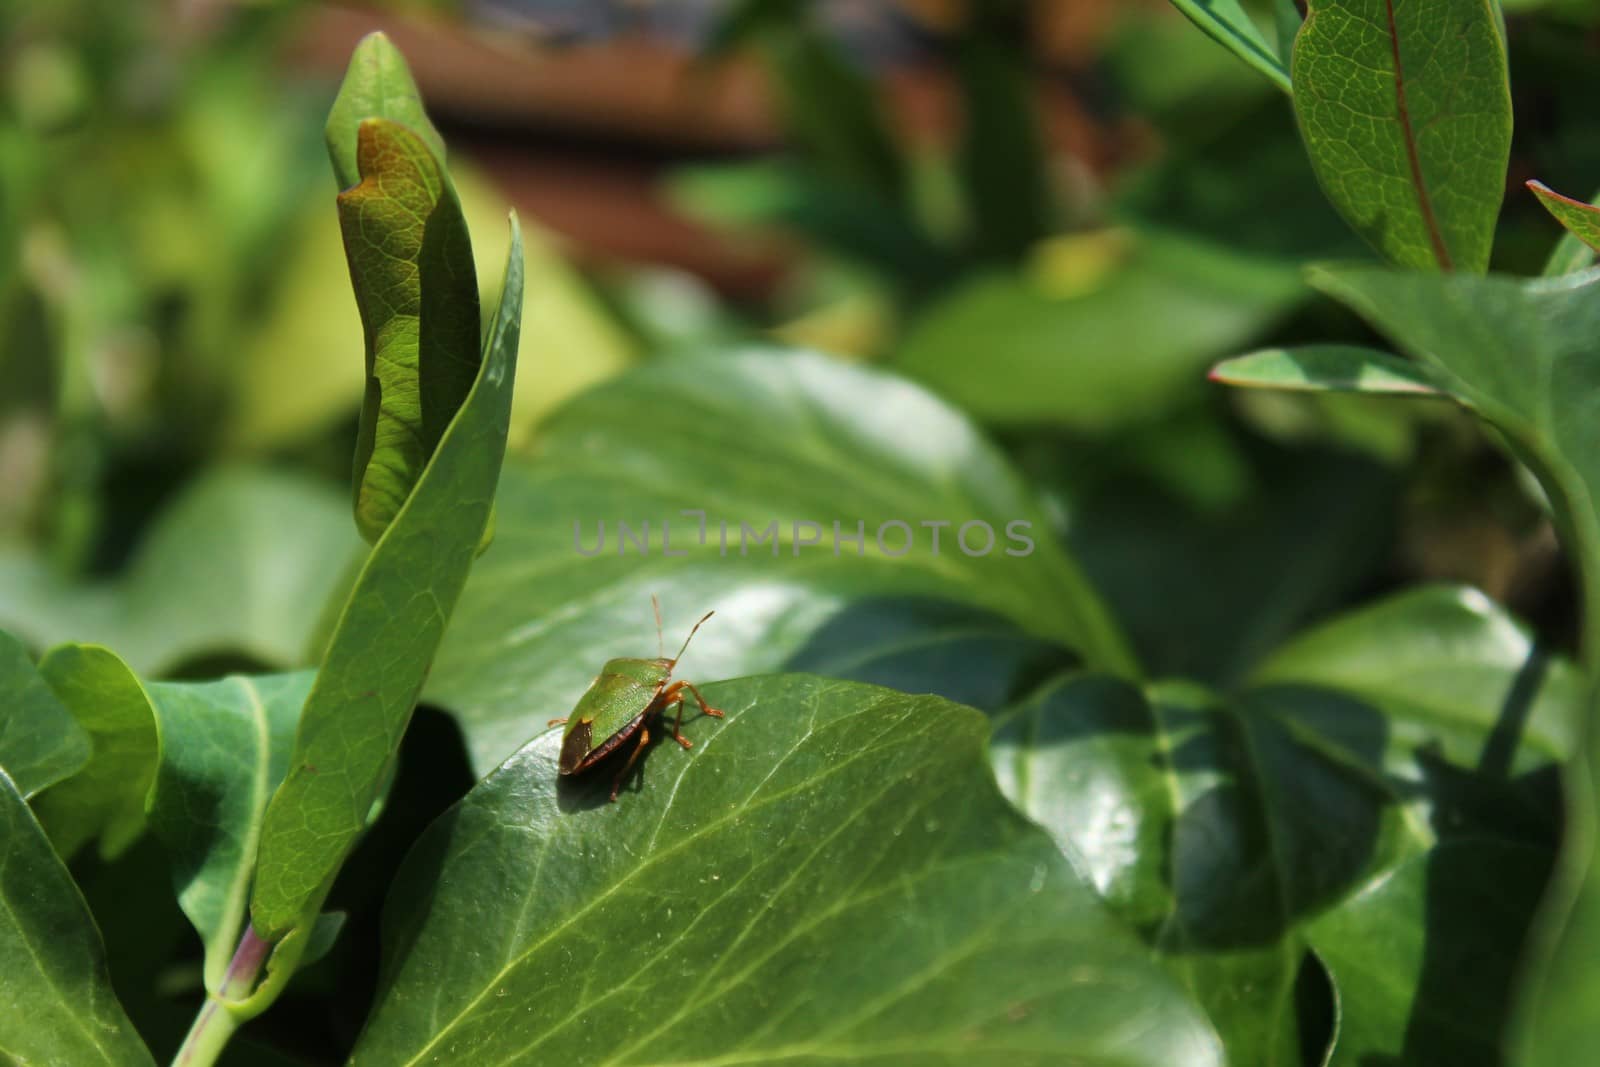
(217, 1020)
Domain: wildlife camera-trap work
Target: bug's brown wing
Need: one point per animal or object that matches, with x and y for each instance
(576, 755)
(575, 746)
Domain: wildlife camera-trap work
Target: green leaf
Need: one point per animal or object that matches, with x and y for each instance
(1212, 548)
(1227, 24)
(1223, 829)
(105, 800)
(1521, 353)
(411, 265)
(1555, 1019)
(785, 439)
(384, 643)
(1326, 368)
(1405, 107)
(1582, 223)
(1077, 343)
(830, 876)
(224, 747)
(1424, 958)
(59, 1006)
(40, 742)
(240, 565)
(377, 84)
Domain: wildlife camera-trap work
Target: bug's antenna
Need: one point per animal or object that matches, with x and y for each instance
(692, 629)
(656, 604)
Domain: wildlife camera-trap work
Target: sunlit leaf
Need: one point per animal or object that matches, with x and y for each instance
(828, 877)
(384, 643)
(411, 265)
(1406, 111)
(783, 448)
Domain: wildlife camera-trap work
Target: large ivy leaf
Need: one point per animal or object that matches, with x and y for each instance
(56, 1002)
(40, 742)
(829, 877)
(1406, 110)
(416, 286)
(106, 800)
(1228, 24)
(1220, 827)
(384, 643)
(786, 445)
(242, 563)
(224, 747)
(1076, 343)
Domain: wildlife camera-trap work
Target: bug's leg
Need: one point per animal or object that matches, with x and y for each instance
(707, 709)
(633, 757)
(557, 722)
(674, 694)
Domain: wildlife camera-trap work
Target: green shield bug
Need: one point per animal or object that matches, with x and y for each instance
(619, 706)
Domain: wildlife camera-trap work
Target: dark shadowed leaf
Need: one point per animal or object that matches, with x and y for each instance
(1522, 354)
(1220, 827)
(1424, 956)
(1555, 1022)
(828, 877)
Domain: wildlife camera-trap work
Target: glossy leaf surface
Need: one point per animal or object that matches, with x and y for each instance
(1226, 829)
(828, 877)
(784, 447)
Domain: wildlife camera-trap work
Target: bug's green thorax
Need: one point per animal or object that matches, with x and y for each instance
(619, 695)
